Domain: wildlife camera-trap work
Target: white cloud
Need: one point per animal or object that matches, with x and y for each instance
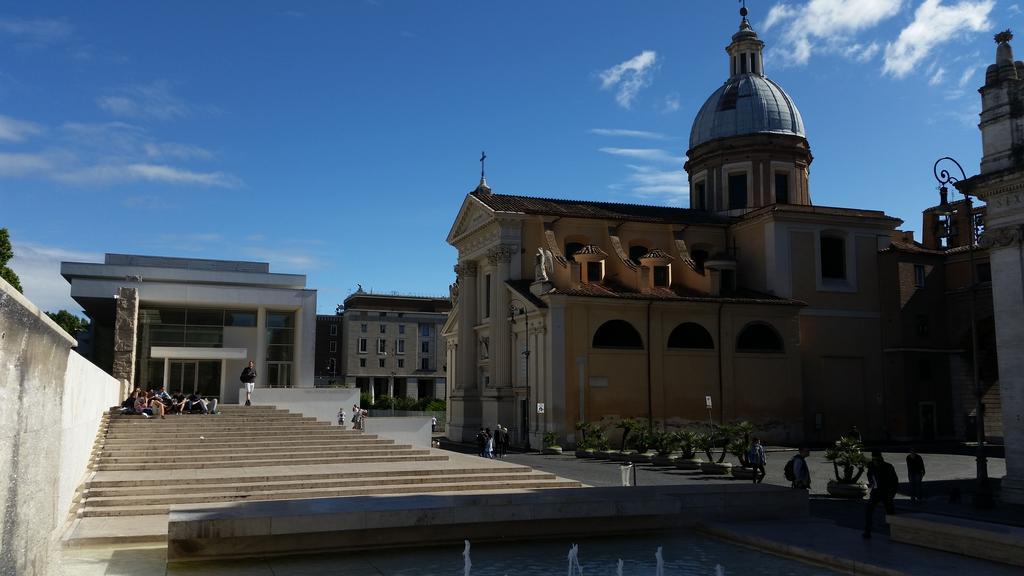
(142, 172)
(35, 32)
(650, 154)
(1013, 10)
(828, 25)
(671, 103)
(15, 164)
(153, 100)
(937, 76)
(967, 75)
(629, 133)
(177, 151)
(13, 130)
(38, 267)
(933, 24)
(285, 259)
(669, 186)
(629, 77)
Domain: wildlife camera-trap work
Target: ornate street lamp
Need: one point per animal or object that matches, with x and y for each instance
(982, 496)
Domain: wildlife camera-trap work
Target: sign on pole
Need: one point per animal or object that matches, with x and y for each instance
(707, 402)
(540, 407)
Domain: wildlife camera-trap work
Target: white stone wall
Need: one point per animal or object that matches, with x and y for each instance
(320, 403)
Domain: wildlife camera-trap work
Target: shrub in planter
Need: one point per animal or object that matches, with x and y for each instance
(739, 446)
(667, 445)
(589, 436)
(688, 459)
(848, 463)
(550, 444)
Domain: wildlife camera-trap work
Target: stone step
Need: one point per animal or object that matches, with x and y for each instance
(102, 467)
(159, 458)
(203, 449)
(165, 483)
(91, 511)
(190, 419)
(161, 495)
(212, 447)
(172, 423)
(156, 432)
(177, 438)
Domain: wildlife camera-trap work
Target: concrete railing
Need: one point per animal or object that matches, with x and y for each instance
(53, 402)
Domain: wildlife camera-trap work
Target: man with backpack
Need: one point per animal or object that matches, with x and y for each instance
(884, 484)
(797, 471)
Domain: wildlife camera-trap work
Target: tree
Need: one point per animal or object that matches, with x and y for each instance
(6, 253)
(69, 322)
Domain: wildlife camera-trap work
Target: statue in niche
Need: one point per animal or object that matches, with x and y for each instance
(544, 265)
(453, 291)
(485, 344)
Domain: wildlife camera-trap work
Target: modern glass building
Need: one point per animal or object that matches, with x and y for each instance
(198, 322)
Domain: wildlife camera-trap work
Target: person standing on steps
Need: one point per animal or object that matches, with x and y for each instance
(248, 377)
(915, 470)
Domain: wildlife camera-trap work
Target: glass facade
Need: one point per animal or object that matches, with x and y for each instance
(280, 349)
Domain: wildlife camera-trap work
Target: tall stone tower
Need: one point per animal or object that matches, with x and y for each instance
(1001, 186)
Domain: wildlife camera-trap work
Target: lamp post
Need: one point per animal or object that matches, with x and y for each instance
(514, 311)
(982, 496)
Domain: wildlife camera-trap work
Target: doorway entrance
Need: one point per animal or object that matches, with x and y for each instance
(926, 415)
(188, 376)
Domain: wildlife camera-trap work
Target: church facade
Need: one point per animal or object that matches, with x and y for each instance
(752, 304)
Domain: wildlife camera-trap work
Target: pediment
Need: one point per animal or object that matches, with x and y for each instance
(473, 215)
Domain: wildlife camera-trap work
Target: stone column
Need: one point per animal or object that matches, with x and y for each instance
(261, 347)
(501, 340)
(466, 378)
(125, 330)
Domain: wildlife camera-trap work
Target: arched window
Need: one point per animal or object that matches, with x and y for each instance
(636, 252)
(571, 248)
(617, 334)
(759, 337)
(690, 335)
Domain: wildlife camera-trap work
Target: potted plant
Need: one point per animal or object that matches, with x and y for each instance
(848, 463)
(688, 459)
(627, 425)
(551, 444)
(716, 437)
(643, 443)
(667, 444)
(586, 446)
(739, 447)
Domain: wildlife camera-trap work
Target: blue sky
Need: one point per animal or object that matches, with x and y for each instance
(338, 139)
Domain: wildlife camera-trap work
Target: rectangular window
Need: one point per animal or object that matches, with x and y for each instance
(595, 271)
(487, 296)
(661, 276)
(362, 345)
(984, 271)
(334, 346)
(424, 330)
(922, 325)
(781, 188)
(239, 318)
(833, 258)
(382, 314)
(702, 203)
(363, 328)
(924, 370)
(334, 329)
(380, 363)
(383, 328)
(382, 346)
(919, 275)
(425, 347)
(737, 191)
(425, 364)
(401, 346)
(401, 328)
(362, 362)
(401, 362)
(743, 63)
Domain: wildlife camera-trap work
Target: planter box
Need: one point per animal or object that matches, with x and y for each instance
(689, 463)
(742, 473)
(665, 460)
(621, 456)
(550, 450)
(715, 469)
(852, 491)
(588, 453)
(644, 457)
(603, 454)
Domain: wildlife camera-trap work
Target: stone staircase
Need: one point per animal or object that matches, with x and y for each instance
(141, 467)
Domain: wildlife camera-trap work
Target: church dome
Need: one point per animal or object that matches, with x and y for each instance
(746, 104)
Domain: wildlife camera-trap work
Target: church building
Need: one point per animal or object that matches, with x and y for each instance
(754, 303)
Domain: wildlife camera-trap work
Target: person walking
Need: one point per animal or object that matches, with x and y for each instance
(433, 424)
(341, 417)
(248, 377)
(797, 471)
(488, 444)
(481, 443)
(757, 460)
(883, 483)
(915, 471)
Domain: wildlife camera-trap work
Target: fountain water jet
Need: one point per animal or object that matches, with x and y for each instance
(467, 564)
(659, 570)
(618, 570)
(574, 561)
